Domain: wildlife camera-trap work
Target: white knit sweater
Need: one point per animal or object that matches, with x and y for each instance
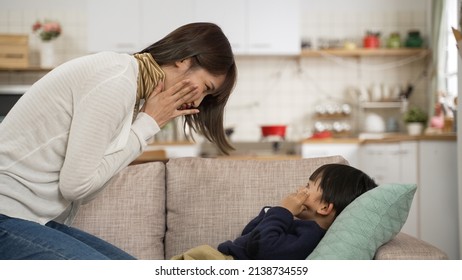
(68, 135)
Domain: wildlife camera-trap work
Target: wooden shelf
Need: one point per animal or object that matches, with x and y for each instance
(382, 104)
(359, 52)
(365, 52)
(332, 116)
(27, 69)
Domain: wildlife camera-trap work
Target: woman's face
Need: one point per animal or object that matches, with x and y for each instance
(206, 83)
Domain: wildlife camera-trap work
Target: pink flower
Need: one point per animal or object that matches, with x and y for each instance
(51, 27)
(47, 31)
(37, 25)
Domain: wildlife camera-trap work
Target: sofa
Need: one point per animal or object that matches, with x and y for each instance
(157, 210)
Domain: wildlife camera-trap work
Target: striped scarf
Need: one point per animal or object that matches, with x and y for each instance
(150, 74)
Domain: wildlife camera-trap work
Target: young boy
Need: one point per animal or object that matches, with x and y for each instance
(292, 230)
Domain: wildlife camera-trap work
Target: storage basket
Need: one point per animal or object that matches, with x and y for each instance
(14, 51)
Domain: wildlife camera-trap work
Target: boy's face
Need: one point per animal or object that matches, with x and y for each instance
(313, 202)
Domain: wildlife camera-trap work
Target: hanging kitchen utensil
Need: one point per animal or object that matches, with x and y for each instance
(410, 87)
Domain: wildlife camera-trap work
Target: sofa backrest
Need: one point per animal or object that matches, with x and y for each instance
(209, 201)
(130, 211)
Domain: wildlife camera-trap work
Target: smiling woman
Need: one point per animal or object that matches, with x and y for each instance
(81, 124)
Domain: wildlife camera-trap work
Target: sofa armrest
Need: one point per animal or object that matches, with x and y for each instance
(406, 247)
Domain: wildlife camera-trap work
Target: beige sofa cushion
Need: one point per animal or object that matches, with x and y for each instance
(130, 211)
(209, 201)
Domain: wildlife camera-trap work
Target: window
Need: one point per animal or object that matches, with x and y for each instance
(451, 51)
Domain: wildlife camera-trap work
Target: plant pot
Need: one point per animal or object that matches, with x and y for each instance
(414, 128)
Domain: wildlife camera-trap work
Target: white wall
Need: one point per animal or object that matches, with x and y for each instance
(270, 90)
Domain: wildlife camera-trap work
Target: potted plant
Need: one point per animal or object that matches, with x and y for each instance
(415, 119)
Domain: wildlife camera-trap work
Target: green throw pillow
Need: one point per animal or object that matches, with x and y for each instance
(370, 221)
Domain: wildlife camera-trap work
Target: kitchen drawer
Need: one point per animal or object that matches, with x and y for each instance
(350, 151)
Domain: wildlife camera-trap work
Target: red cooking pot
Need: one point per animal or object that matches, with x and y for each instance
(273, 130)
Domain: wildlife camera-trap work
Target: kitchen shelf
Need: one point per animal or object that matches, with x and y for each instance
(360, 52)
(27, 69)
(382, 105)
(331, 116)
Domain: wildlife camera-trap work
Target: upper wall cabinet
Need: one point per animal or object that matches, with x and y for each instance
(112, 26)
(160, 17)
(231, 16)
(254, 27)
(274, 27)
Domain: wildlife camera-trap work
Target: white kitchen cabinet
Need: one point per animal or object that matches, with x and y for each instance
(158, 18)
(177, 150)
(231, 16)
(132, 25)
(408, 157)
(394, 163)
(390, 162)
(348, 150)
(432, 165)
(439, 213)
(113, 26)
(274, 27)
(381, 161)
(254, 27)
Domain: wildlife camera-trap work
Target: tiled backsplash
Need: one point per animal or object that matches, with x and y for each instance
(270, 90)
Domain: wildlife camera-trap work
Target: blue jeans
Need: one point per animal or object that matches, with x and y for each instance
(26, 240)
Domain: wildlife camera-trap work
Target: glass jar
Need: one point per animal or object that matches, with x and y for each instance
(394, 41)
(414, 40)
(371, 40)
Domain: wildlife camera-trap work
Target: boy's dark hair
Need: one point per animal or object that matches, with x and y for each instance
(341, 184)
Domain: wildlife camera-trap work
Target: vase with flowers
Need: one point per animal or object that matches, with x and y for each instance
(48, 31)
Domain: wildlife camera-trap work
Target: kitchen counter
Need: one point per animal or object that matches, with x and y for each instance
(166, 150)
(263, 150)
(390, 138)
(261, 157)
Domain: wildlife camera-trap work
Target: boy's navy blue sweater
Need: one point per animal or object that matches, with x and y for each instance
(275, 235)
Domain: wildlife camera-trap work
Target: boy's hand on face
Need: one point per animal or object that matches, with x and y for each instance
(294, 202)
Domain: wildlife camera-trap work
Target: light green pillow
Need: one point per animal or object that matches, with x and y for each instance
(370, 221)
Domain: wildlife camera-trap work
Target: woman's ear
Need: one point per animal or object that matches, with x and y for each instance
(325, 209)
(183, 64)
